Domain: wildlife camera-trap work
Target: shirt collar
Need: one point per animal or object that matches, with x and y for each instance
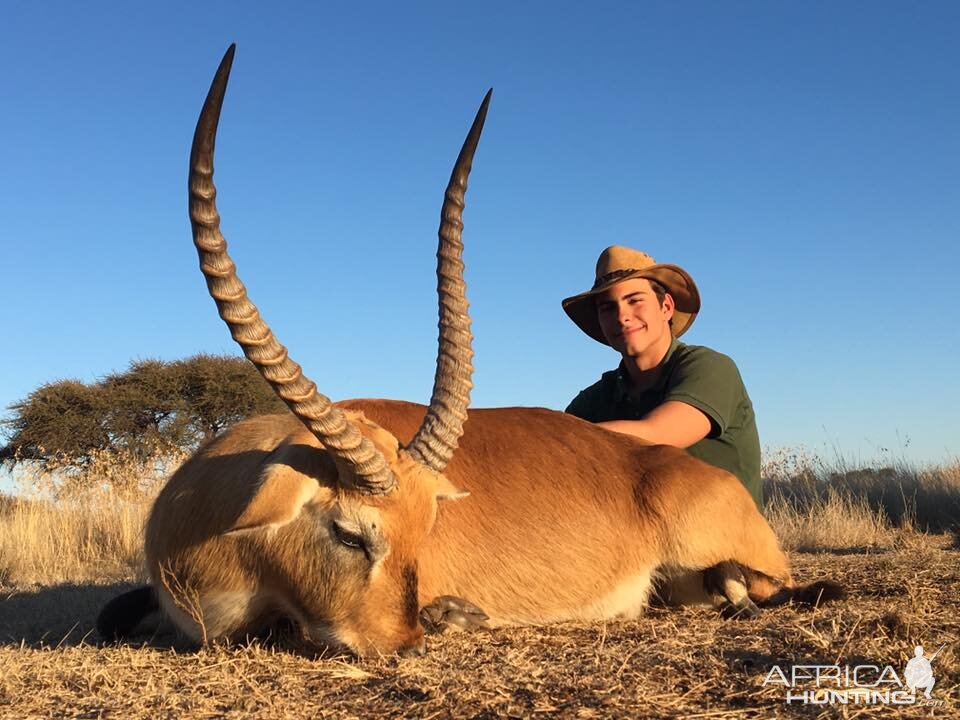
(621, 388)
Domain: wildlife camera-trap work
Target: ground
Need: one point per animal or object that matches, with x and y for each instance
(670, 663)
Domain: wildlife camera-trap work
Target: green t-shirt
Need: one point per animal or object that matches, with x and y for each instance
(703, 378)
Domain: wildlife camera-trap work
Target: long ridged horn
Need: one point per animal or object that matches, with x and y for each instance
(436, 440)
(359, 463)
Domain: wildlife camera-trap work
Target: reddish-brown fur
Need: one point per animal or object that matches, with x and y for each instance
(564, 520)
(560, 510)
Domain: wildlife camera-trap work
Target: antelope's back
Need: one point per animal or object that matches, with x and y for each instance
(557, 506)
(519, 455)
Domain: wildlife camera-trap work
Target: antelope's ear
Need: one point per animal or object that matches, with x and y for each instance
(278, 498)
(446, 490)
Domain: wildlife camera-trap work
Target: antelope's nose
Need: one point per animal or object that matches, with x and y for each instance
(418, 649)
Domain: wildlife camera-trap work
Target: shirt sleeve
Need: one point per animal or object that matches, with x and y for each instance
(710, 382)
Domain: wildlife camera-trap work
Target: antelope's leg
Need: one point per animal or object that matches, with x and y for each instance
(447, 611)
(676, 587)
(727, 584)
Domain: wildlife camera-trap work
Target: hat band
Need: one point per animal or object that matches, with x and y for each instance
(604, 279)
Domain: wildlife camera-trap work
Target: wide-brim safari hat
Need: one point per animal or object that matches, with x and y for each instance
(618, 263)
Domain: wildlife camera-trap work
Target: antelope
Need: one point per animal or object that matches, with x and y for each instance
(349, 518)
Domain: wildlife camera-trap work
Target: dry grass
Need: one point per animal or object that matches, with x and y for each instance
(815, 505)
(830, 521)
(670, 663)
(66, 526)
(45, 542)
(63, 555)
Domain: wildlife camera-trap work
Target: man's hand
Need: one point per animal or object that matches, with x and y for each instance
(673, 423)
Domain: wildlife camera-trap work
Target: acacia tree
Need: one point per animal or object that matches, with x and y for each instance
(59, 419)
(153, 406)
(218, 391)
(144, 408)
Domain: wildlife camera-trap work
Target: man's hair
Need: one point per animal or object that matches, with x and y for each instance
(658, 290)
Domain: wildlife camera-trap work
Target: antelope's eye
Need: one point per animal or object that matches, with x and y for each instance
(349, 538)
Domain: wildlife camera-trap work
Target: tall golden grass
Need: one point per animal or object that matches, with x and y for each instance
(70, 526)
(815, 504)
(65, 525)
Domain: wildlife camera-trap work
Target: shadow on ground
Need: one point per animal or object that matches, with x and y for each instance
(66, 615)
(59, 615)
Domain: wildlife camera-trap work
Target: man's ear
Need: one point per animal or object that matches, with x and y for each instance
(668, 307)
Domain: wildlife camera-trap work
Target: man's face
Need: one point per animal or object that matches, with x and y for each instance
(632, 319)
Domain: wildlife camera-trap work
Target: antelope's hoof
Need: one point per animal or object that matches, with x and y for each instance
(744, 609)
(447, 611)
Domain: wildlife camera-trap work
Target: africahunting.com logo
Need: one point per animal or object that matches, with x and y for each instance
(859, 684)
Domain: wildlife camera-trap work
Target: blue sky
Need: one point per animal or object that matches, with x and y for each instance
(801, 160)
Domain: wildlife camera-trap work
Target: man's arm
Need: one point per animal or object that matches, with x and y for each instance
(672, 423)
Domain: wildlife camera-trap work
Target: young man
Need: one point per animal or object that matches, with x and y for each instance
(664, 391)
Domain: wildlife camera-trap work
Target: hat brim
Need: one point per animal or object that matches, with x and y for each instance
(677, 281)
